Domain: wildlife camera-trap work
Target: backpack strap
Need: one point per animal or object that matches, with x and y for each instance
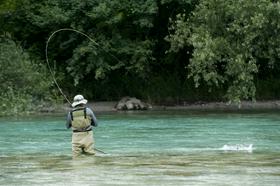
(85, 113)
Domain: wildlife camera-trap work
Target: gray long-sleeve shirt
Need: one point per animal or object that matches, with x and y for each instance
(89, 113)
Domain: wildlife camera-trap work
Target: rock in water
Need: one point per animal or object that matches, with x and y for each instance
(132, 103)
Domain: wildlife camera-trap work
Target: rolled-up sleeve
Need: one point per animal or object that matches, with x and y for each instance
(93, 118)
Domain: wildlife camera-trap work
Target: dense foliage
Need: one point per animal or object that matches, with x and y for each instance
(232, 41)
(23, 84)
(146, 48)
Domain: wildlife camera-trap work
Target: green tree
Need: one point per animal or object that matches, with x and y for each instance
(119, 27)
(24, 85)
(232, 40)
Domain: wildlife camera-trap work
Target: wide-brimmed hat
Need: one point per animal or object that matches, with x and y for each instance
(79, 99)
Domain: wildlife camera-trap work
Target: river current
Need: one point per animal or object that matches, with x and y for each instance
(145, 148)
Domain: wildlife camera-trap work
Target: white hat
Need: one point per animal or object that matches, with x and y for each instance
(79, 99)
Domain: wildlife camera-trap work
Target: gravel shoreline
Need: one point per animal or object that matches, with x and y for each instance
(109, 106)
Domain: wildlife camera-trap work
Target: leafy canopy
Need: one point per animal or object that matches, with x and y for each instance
(119, 27)
(231, 40)
(23, 83)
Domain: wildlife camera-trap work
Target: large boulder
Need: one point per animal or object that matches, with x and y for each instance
(132, 103)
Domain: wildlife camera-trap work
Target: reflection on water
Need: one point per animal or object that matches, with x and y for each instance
(146, 149)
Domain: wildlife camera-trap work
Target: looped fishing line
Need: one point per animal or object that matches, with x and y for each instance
(47, 59)
(52, 72)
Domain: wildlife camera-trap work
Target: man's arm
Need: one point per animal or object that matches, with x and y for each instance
(93, 118)
(68, 121)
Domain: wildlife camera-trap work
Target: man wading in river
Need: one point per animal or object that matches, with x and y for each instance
(81, 119)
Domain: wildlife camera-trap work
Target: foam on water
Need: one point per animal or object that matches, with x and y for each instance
(238, 147)
(226, 147)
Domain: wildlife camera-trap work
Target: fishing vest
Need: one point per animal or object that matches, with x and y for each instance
(80, 120)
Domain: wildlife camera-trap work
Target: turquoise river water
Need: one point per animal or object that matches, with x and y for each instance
(145, 148)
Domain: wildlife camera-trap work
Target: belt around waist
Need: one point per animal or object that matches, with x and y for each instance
(82, 130)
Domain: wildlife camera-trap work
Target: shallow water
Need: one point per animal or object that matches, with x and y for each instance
(146, 148)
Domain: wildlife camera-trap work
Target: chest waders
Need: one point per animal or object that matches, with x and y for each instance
(80, 121)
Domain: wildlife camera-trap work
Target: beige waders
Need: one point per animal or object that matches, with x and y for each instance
(82, 143)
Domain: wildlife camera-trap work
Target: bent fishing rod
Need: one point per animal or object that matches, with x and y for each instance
(52, 72)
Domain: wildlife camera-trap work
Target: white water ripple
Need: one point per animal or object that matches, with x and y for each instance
(238, 147)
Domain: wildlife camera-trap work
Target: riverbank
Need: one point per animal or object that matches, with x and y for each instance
(109, 106)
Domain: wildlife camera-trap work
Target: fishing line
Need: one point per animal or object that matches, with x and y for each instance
(51, 70)
(47, 58)
(98, 150)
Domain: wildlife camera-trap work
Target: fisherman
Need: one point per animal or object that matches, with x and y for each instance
(81, 119)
